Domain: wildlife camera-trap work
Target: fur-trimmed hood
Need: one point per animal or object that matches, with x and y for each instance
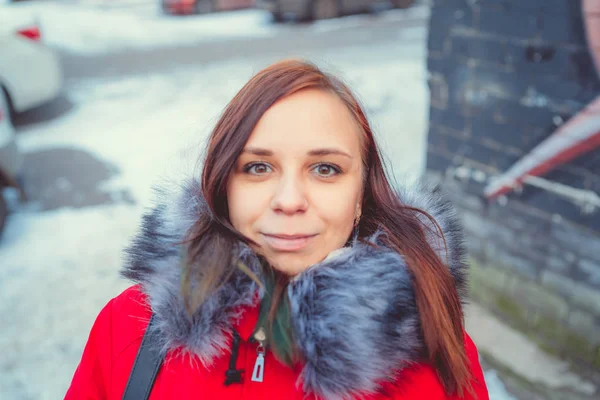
(354, 314)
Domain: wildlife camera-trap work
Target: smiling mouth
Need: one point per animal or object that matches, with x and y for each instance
(287, 242)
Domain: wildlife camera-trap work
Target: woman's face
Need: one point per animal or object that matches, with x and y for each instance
(296, 188)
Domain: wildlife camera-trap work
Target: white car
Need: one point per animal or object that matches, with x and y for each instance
(30, 75)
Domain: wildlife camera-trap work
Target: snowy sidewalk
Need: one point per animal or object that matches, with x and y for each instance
(530, 372)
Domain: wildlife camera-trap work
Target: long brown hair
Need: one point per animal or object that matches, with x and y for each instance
(213, 237)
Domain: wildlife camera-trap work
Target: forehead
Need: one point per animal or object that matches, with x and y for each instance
(307, 119)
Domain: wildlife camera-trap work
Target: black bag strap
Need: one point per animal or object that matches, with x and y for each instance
(145, 368)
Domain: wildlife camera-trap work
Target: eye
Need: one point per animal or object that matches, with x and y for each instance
(257, 168)
(326, 170)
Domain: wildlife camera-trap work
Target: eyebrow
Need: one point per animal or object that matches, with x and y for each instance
(328, 151)
(258, 151)
(316, 152)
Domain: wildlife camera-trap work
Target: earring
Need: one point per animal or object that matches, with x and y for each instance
(356, 222)
(356, 229)
(358, 214)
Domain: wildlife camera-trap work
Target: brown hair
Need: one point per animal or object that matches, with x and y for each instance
(213, 238)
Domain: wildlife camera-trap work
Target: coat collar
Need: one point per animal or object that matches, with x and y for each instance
(354, 314)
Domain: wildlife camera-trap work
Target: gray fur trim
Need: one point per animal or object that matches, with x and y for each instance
(354, 314)
(432, 200)
(355, 320)
(154, 261)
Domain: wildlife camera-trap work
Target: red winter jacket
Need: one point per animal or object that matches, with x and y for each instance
(117, 333)
(354, 319)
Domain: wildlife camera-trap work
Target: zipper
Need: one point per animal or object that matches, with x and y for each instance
(259, 364)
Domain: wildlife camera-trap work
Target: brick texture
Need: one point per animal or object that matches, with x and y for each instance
(505, 74)
(499, 90)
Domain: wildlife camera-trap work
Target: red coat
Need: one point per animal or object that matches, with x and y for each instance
(117, 333)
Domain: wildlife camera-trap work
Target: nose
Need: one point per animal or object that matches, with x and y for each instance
(289, 197)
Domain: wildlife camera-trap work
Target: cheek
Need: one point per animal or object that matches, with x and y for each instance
(235, 212)
(245, 206)
(338, 210)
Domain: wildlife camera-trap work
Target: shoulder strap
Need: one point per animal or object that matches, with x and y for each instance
(145, 368)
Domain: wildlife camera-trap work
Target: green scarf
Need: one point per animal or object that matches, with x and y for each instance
(279, 331)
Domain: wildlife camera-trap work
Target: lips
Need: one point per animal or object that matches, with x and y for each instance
(287, 242)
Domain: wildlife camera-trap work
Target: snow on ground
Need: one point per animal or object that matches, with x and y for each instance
(94, 27)
(57, 269)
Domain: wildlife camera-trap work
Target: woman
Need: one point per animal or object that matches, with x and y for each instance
(291, 269)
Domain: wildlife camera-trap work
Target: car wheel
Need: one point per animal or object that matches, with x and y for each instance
(7, 130)
(402, 3)
(164, 7)
(325, 9)
(3, 212)
(277, 16)
(204, 6)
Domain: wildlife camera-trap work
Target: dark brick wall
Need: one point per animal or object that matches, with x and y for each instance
(503, 75)
(501, 83)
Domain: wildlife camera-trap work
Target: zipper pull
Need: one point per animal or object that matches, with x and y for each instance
(259, 365)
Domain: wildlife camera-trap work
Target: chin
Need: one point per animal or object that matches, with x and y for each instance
(290, 264)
